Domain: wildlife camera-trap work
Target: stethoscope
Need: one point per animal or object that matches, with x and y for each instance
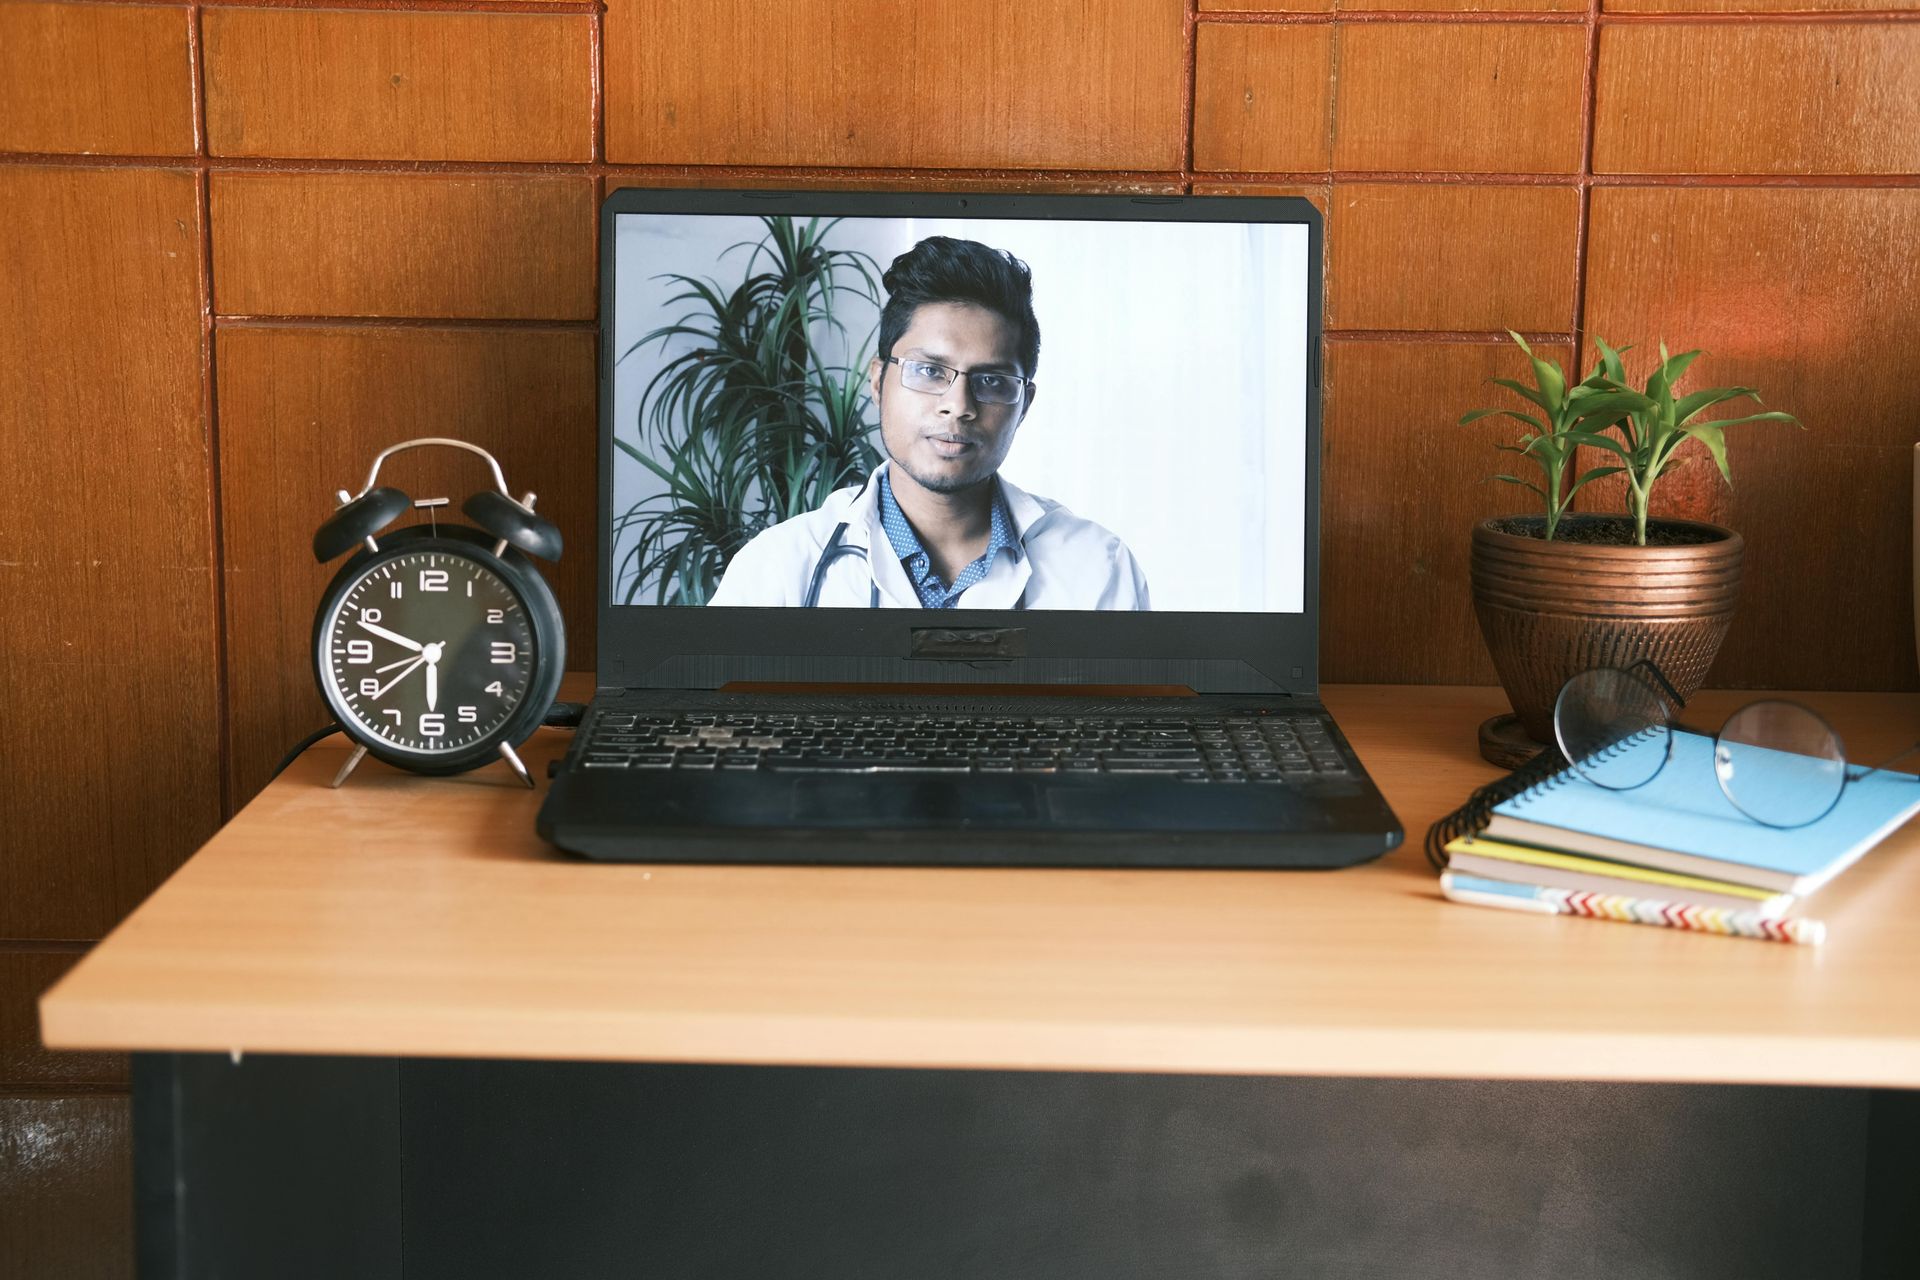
(838, 546)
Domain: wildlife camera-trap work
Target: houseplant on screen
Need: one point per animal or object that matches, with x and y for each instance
(1562, 592)
(747, 420)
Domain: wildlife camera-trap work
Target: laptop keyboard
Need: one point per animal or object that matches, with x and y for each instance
(1266, 749)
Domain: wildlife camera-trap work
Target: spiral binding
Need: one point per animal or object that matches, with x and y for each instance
(1547, 770)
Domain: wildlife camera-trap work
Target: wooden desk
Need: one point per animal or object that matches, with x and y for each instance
(413, 916)
(406, 922)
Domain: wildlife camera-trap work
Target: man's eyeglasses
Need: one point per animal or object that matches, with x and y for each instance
(988, 387)
(1778, 762)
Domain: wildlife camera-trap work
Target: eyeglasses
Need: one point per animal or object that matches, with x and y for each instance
(1777, 762)
(987, 387)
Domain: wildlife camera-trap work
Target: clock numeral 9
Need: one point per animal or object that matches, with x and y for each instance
(359, 651)
(432, 724)
(433, 579)
(504, 652)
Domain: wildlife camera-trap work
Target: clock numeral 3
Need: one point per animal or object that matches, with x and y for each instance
(504, 652)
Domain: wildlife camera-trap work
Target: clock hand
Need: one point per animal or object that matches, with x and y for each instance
(431, 655)
(397, 679)
(380, 671)
(394, 636)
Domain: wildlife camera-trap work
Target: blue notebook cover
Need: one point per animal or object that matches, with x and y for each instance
(1681, 821)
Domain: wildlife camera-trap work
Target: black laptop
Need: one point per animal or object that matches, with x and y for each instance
(963, 530)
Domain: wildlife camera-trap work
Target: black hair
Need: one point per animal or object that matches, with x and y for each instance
(942, 269)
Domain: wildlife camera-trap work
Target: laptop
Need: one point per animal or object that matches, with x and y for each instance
(960, 529)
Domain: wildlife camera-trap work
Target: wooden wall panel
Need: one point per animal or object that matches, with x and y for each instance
(1446, 257)
(1263, 98)
(66, 1188)
(95, 79)
(1469, 97)
(928, 84)
(303, 412)
(1404, 485)
(399, 86)
(1791, 98)
(1463, 6)
(108, 641)
(1757, 6)
(382, 244)
(1266, 6)
(1809, 296)
(24, 977)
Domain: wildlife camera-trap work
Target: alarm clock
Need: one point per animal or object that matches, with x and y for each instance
(439, 648)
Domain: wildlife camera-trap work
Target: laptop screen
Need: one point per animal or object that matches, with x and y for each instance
(983, 413)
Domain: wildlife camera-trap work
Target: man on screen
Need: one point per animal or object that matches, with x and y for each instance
(936, 526)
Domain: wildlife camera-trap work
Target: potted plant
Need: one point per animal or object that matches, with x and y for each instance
(1563, 592)
(746, 419)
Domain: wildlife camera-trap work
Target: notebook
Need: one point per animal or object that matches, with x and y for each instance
(968, 529)
(1498, 860)
(1682, 822)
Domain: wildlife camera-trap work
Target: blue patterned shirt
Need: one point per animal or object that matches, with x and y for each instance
(934, 593)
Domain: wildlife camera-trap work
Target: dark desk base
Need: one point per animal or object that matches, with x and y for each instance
(377, 1169)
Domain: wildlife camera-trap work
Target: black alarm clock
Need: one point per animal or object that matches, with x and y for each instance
(439, 648)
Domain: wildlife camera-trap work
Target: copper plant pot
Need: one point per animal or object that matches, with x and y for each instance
(1550, 610)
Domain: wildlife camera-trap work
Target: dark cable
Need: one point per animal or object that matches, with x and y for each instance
(303, 744)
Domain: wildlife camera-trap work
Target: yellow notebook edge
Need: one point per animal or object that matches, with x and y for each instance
(1528, 854)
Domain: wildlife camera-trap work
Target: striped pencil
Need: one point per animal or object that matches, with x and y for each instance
(1543, 900)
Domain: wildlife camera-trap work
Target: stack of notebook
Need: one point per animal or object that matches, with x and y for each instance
(1673, 851)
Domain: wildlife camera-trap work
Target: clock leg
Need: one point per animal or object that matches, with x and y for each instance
(353, 762)
(518, 767)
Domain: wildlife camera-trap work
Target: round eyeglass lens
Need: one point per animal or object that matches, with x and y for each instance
(1600, 712)
(1779, 763)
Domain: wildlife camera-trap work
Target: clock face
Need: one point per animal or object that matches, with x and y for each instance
(428, 653)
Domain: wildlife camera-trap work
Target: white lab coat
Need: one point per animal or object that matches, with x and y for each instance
(1067, 562)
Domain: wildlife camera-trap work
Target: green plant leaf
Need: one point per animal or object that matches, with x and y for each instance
(1524, 484)
(1477, 414)
(1521, 388)
(1594, 474)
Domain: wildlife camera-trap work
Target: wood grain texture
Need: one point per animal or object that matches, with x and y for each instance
(871, 180)
(66, 1188)
(934, 83)
(1458, 97)
(303, 412)
(1265, 6)
(1263, 98)
(1319, 194)
(411, 915)
(1403, 486)
(1799, 98)
(105, 547)
(379, 244)
(363, 85)
(95, 79)
(1446, 257)
(1756, 6)
(1463, 6)
(24, 978)
(1804, 294)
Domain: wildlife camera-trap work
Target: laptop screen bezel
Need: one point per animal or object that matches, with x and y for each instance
(667, 646)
